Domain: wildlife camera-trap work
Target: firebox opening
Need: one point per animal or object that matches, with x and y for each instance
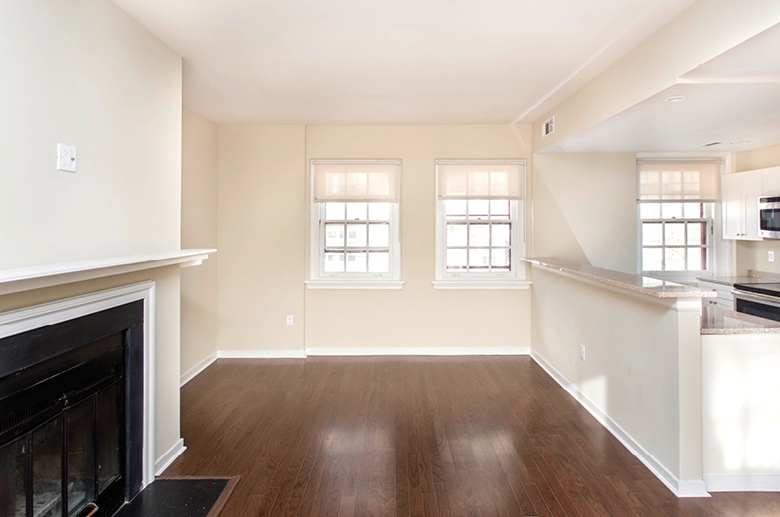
(71, 430)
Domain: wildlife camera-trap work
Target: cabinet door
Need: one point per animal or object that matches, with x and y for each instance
(752, 190)
(771, 181)
(733, 213)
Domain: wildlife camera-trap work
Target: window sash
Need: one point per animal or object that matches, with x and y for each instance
(489, 271)
(706, 245)
(323, 250)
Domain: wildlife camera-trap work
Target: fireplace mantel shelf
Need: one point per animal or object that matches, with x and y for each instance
(37, 277)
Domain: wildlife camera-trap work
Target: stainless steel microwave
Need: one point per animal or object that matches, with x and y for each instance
(769, 217)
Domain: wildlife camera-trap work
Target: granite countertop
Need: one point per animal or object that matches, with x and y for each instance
(753, 277)
(636, 283)
(729, 280)
(716, 320)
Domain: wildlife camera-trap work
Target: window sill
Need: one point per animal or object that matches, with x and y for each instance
(481, 284)
(354, 284)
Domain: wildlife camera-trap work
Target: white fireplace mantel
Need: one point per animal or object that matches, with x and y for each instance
(37, 277)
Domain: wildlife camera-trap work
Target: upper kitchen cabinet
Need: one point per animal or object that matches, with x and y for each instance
(740, 193)
(771, 181)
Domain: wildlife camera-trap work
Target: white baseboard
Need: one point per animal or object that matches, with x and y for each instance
(164, 461)
(680, 488)
(261, 354)
(195, 370)
(743, 483)
(416, 351)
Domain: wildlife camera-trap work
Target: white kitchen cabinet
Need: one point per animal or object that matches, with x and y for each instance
(771, 181)
(725, 299)
(740, 193)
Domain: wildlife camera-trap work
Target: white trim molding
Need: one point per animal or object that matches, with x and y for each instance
(354, 284)
(680, 488)
(481, 284)
(195, 370)
(31, 318)
(164, 461)
(416, 351)
(742, 483)
(261, 354)
(37, 277)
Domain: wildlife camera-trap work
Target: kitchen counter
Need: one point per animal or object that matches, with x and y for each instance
(634, 283)
(715, 321)
(753, 277)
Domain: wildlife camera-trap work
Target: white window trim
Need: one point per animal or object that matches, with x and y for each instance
(318, 279)
(687, 276)
(721, 250)
(516, 279)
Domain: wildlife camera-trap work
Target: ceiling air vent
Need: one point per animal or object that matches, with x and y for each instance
(548, 127)
(711, 144)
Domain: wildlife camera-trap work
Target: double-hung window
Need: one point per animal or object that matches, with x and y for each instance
(355, 241)
(675, 207)
(480, 228)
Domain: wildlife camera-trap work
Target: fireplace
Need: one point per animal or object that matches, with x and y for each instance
(72, 415)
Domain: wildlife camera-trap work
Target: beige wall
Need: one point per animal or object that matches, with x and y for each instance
(262, 237)
(263, 234)
(584, 208)
(417, 316)
(84, 73)
(753, 255)
(641, 367)
(198, 230)
(757, 159)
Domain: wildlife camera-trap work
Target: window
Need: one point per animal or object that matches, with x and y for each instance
(354, 224)
(480, 232)
(675, 209)
(675, 236)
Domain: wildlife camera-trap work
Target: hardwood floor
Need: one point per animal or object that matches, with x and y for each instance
(417, 436)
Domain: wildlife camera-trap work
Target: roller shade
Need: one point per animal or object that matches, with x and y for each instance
(659, 181)
(356, 181)
(480, 180)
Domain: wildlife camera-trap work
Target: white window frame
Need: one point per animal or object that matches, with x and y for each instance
(720, 249)
(688, 275)
(318, 277)
(515, 278)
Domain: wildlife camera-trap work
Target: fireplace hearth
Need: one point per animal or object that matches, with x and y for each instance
(71, 415)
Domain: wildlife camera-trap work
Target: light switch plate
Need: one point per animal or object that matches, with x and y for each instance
(771, 256)
(66, 158)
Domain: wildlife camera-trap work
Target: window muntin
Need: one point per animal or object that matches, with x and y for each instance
(478, 235)
(354, 221)
(356, 238)
(480, 209)
(675, 237)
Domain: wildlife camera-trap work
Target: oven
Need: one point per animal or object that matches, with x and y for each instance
(762, 300)
(769, 217)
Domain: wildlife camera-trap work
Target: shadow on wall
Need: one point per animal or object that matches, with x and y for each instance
(585, 208)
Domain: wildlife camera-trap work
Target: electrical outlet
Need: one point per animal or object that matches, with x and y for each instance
(66, 158)
(290, 320)
(771, 256)
(582, 352)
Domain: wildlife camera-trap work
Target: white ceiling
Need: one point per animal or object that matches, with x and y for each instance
(393, 61)
(732, 100)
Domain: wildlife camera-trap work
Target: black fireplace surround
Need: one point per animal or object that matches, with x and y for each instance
(71, 416)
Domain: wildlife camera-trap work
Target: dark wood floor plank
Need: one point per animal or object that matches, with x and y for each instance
(417, 436)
